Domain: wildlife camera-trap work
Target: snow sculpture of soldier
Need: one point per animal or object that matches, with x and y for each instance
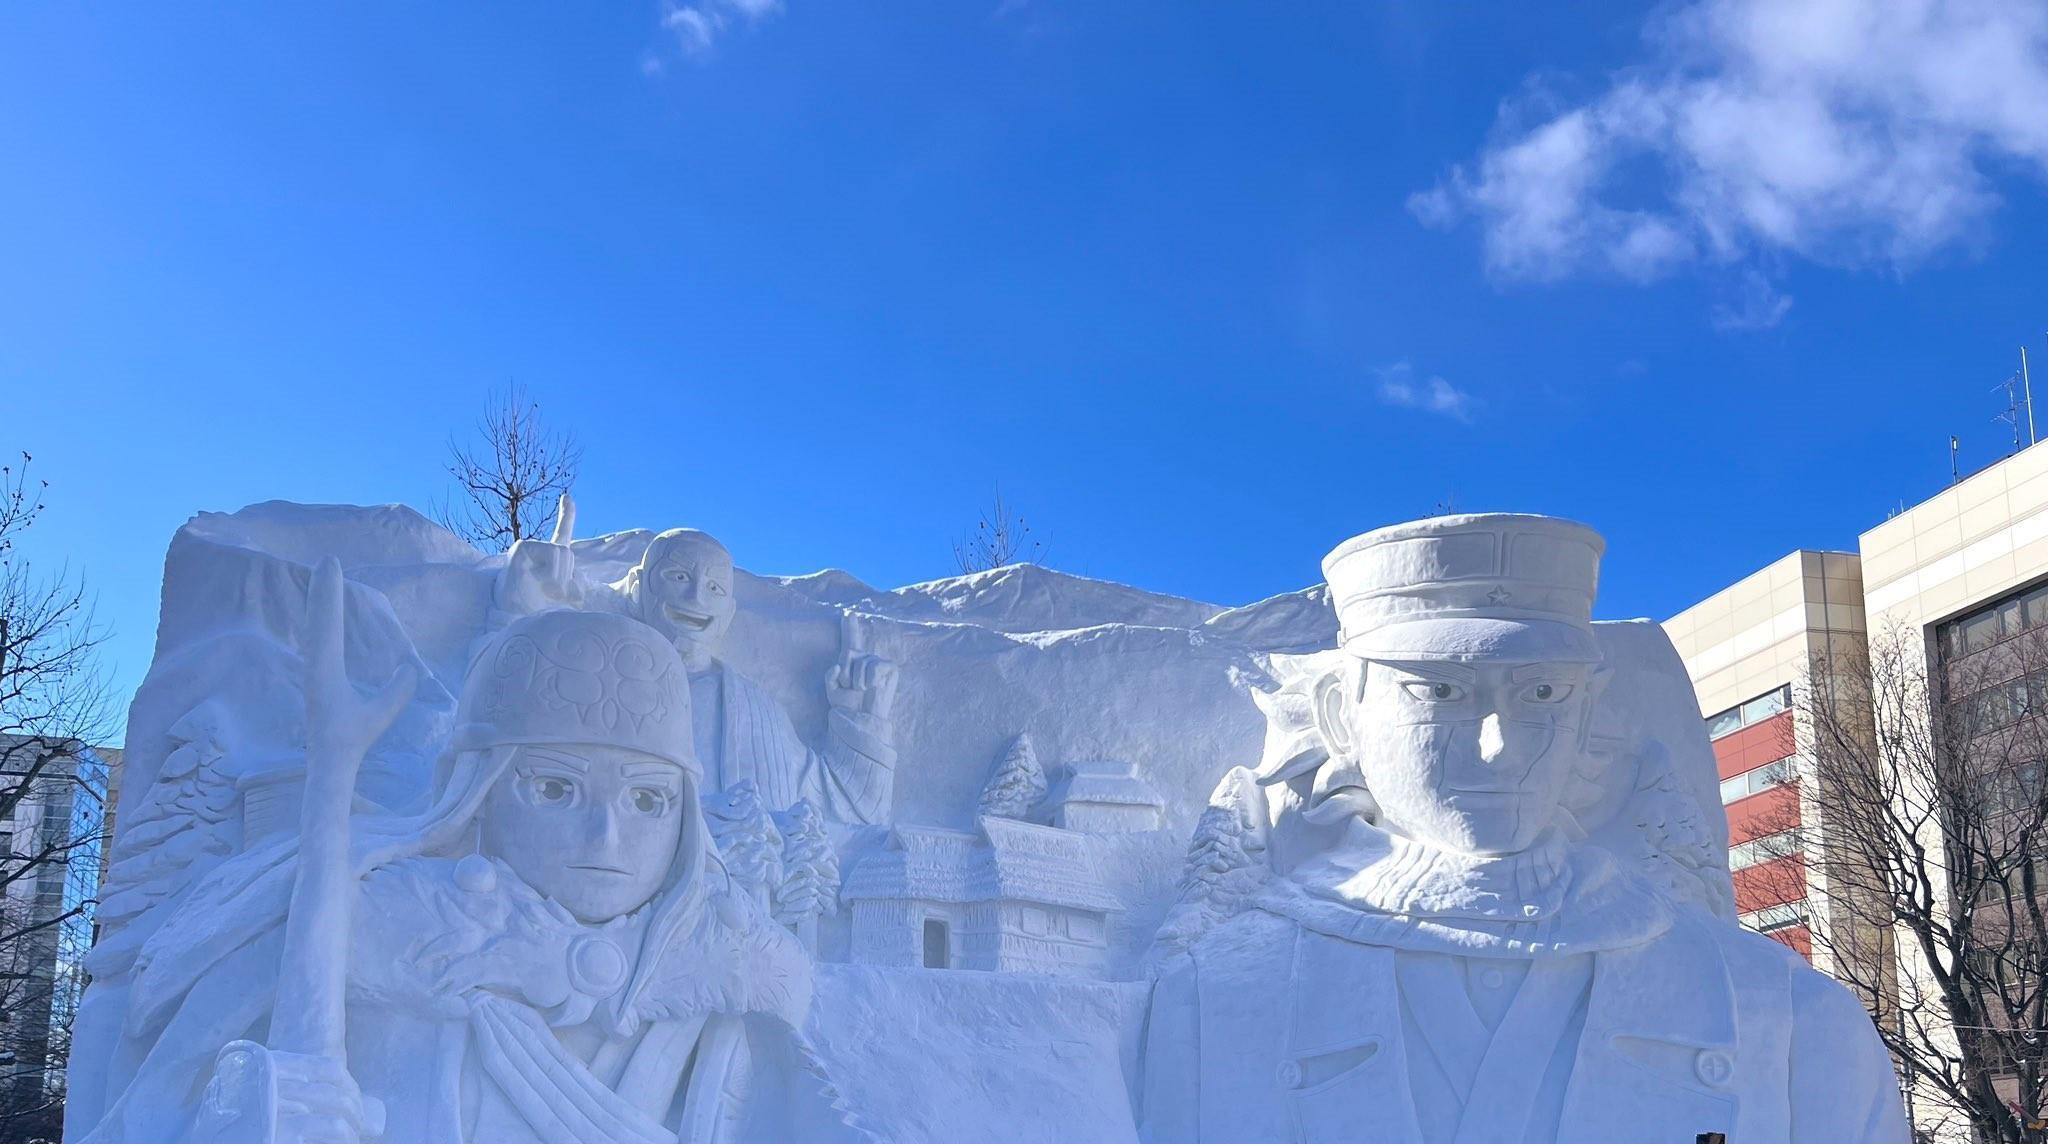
(1456, 963)
(551, 952)
(683, 588)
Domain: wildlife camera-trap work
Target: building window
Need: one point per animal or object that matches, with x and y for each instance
(938, 953)
(1757, 780)
(1773, 918)
(1994, 623)
(1749, 714)
(1758, 851)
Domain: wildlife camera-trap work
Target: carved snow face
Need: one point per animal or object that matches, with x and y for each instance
(685, 592)
(595, 828)
(1465, 757)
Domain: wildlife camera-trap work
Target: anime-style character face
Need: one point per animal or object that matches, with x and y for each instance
(1471, 757)
(595, 828)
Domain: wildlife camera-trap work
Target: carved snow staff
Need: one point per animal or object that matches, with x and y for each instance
(1459, 963)
(550, 952)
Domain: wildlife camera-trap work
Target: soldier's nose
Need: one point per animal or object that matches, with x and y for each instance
(1493, 742)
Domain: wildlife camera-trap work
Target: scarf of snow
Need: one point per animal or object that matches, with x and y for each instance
(1555, 899)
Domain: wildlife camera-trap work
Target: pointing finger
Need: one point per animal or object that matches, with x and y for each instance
(565, 519)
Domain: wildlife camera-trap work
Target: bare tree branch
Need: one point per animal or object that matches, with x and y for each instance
(1000, 537)
(1923, 814)
(510, 478)
(54, 703)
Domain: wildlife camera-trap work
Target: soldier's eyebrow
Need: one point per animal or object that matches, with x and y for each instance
(560, 758)
(654, 767)
(1539, 671)
(1443, 670)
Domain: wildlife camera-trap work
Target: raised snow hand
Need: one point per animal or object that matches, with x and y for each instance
(542, 573)
(861, 682)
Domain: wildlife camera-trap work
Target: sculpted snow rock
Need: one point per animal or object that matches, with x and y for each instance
(1489, 913)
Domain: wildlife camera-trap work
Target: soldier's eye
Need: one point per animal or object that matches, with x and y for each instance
(649, 801)
(1435, 691)
(552, 790)
(1547, 692)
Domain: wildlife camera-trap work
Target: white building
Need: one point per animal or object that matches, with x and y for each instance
(1104, 797)
(1010, 896)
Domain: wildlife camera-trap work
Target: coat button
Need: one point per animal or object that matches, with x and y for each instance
(1290, 1075)
(1713, 1066)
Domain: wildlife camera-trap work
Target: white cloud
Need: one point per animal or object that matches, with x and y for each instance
(1753, 304)
(1401, 388)
(1854, 133)
(697, 26)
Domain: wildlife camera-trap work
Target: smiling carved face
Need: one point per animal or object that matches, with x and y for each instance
(684, 589)
(595, 828)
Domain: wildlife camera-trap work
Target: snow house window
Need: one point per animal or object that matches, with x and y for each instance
(936, 945)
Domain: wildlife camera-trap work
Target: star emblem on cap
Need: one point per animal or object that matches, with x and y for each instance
(1499, 595)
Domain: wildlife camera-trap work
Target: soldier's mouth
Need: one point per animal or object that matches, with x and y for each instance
(691, 620)
(600, 869)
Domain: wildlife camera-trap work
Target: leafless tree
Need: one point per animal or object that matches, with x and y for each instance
(53, 701)
(509, 479)
(1923, 823)
(1000, 537)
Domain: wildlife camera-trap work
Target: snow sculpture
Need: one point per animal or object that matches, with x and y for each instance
(683, 587)
(1103, 796)
(1017, 782)
(810, 873)
(1011, 896)
(1456, 960)
(550, 951)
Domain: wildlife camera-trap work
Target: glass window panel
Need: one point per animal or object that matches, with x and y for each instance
(1763, 707)
(1726, 721)
(1980, 632)
(1732, 789)
(2036, 605)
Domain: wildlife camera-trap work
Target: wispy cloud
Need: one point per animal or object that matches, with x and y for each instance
(697, 26)
(1854, 133)
(1752, 304)
(1399, 386)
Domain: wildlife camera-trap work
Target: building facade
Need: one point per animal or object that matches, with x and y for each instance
(1956, 588)
(52, 857)
(1747, 648)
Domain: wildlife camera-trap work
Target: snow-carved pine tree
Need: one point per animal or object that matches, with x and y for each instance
(1017, 783)
(1226, 863)
(747, 840)
(810, 872)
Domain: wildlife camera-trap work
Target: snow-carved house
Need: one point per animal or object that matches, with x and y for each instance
(1011, 896)
(1104, 796)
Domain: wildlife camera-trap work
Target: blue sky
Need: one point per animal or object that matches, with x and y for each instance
(1207, 288)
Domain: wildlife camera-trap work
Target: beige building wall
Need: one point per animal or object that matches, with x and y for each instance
(1983, 538)
(1760, 634)
(1762, 631)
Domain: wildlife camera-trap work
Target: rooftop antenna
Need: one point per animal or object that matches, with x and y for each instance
(2011, 416)
(1953, 445)
(2027, 383)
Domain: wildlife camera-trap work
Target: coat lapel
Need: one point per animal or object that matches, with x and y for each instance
(1345, 1071)
(1657, 1058)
